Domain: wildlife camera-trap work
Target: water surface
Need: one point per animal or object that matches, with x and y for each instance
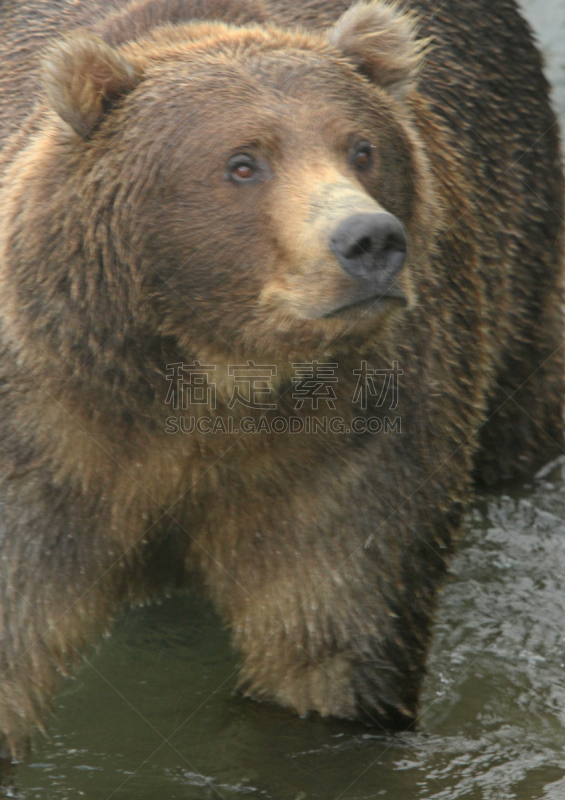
(154, 715)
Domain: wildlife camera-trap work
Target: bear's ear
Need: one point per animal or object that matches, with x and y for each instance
(380, 39)
(83, 77)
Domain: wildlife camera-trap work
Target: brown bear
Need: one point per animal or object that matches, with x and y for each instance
(278, 279)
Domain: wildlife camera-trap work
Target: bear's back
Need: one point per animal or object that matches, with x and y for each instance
(26, 26)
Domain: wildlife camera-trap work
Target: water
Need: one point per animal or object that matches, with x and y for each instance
(153, 714)
(547, 17)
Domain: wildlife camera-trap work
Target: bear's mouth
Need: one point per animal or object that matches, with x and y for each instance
(372, 305)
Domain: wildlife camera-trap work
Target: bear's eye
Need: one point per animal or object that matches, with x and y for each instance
(362, 156)
(242, 168)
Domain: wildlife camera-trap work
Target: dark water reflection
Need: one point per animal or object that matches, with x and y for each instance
(153, 715)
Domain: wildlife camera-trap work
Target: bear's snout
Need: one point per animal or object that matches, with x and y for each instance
(372, 249)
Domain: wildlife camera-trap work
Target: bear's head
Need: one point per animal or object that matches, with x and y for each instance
(237, 189)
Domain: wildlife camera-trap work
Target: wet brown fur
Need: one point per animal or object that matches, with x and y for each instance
(121, 251)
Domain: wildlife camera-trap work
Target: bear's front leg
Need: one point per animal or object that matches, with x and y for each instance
(60, 585)
(333, 655)
(330, 609)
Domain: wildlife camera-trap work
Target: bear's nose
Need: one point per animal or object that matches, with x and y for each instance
(370, 246)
